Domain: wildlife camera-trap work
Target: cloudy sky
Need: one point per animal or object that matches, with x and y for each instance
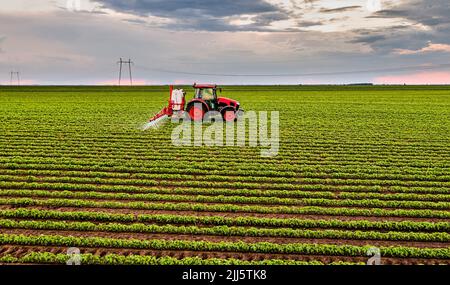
(226, 41)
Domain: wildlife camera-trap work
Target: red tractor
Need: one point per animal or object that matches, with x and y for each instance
(205, 100)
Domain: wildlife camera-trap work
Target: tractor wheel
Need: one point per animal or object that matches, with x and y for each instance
(228, 114)
(196, 113)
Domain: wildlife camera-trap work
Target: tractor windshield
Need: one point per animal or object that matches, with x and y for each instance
(205, 93)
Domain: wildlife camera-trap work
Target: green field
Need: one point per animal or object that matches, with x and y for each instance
(358, 167)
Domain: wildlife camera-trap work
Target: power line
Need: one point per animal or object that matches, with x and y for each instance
(395, 69)
(121, 62)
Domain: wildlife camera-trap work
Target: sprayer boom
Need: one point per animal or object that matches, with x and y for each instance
(176, 104)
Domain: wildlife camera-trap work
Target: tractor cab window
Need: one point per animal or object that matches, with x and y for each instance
(205, 94)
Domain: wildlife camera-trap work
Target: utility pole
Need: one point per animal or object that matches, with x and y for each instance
(129, 68)
(17, 75)
(121, 62)
(120, 70)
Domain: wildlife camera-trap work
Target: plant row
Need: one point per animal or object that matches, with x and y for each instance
(232, 175)
(229, 208)
(104, 186)
(224, 160)
(260, 247)
(190, 184)
(254, 169)
(60, 182)
(225, 231)
(408, 226)
(367, 203)
(133, 259)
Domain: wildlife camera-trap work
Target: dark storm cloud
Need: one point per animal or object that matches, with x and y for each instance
(369, 39)
(168, 8)
(339, 10)
(429, 12)
(201, 14)
(203, 24)
(267, 18)
(304, 24)
(394, 38)
(135, 21)
(433, 14)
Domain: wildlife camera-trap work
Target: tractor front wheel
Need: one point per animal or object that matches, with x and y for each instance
(196, 113)
(228, 114)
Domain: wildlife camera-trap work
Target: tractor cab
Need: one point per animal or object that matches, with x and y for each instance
(206, 100)
(206, 93)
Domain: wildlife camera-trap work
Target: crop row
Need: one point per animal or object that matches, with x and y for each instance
(257, 169)
(292, 185)
(198, 159)
(260, 247)
(125, 139)
(224, 231)
(181, 191)
(409, 226)
(133, 165)
(23, 202)
(366, 203)
(123, 135)
(136, 143)
(297, 187)
(242, 176)
(225, 192)
(133, 259)
(29, 166)
(46, 153)
(97, 145)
